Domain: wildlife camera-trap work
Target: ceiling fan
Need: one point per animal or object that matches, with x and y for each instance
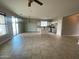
(37, 1)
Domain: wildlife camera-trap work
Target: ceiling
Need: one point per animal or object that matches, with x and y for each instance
(50, 10)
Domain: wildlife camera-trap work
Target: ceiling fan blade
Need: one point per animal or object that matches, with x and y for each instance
(37, 1)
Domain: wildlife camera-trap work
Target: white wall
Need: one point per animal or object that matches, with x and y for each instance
(59, 27)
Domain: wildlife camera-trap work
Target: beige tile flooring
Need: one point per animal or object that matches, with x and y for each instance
(40, 46)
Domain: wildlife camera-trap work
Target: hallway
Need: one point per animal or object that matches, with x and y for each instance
(40, 46)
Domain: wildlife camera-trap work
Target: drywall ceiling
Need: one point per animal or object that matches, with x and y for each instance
(50, 9)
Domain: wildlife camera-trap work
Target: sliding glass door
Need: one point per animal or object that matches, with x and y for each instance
(15, 26)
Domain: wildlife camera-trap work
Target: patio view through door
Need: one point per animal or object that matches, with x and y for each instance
(15, 26)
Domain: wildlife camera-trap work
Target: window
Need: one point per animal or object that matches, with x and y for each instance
(43, 23)
(2, 25)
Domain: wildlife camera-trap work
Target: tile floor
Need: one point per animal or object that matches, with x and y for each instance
(40, 46)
